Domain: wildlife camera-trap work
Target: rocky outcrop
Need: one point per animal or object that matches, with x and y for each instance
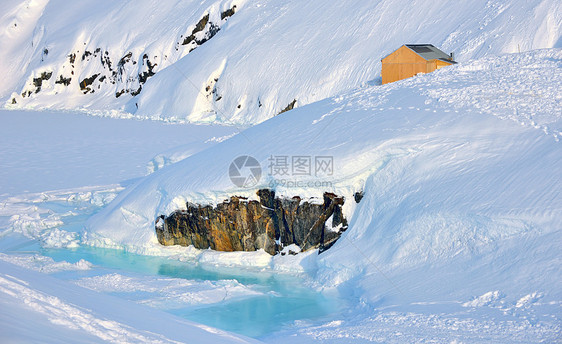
(289, 107)
(228, 13)
(87, 82)
(63, 81)
(37, 82)
(242, 225)
(124, 72)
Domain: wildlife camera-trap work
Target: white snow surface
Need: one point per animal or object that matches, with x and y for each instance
(44, 264)
(169, 293)
(474, 165)
(265, 56)
(461, 197)
(40, 308)
(457, 238)
(72, 150)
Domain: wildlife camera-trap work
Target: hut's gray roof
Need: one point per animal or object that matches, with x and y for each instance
(429, 52)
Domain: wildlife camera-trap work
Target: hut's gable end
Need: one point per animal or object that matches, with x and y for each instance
(401, 64)
(403, 55)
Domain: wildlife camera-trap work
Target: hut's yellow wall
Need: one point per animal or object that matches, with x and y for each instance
(441, 64)
(401, 64)
(404, 63)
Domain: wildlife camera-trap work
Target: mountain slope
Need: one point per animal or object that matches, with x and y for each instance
(266, 56)
(457, 234)
(445, 176)
(60, 54)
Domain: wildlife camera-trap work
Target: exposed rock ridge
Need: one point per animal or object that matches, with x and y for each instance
(270, 224)
(126, 74)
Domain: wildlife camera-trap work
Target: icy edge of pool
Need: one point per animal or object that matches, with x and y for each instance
(304, 262)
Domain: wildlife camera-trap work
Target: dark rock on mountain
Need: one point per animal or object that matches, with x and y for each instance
(228, 13)
(84, 84)
(64, 81)
(37, 82)
(289, 107)
(358, 196)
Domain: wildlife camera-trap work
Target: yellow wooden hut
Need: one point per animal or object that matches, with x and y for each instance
(412, 59)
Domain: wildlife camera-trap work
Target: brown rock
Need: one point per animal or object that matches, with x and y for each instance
(241, 225)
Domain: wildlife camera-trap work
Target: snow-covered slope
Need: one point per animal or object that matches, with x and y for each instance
(266, 55)
(457, 236)
(95, 55)
(485, 130)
